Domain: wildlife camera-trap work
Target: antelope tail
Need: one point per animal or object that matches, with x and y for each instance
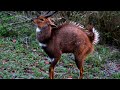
(93, 34)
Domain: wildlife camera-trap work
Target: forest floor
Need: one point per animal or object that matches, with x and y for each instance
(21, 60)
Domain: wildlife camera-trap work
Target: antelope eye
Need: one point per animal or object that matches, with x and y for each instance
(41, 20)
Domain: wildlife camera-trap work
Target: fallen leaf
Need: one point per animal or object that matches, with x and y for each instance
(96, 77)
(1, 45)
(14, 40)
(71, 64)
(4, 61)
(69, 77)
(34, 50)
(46, 62)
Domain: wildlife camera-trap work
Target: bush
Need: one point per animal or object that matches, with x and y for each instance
(106, 22)
(13, 24)
(5, 28)
(110, 27)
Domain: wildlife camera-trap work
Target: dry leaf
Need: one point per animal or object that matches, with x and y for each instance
(46, 62)
(34, 50)
(69, 77)
(4, 61)
(71, 64)
(14, 40)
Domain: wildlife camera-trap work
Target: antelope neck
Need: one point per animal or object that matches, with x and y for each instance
(44, 27)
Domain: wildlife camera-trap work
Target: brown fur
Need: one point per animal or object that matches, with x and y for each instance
(67, 38)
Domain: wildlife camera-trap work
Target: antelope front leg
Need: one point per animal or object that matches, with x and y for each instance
(81, 72)
(51, 72)
(51, 69)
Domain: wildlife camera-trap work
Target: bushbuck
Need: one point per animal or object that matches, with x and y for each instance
(69, 37)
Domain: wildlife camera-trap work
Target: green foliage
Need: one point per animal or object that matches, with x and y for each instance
(14, 25)
(106, 22)
(109, 23)
(4, 29)
(117, 75)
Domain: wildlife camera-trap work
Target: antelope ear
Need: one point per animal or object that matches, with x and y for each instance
(51, 23)
(89, 27)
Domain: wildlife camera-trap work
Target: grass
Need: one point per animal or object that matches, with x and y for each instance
(19, 60)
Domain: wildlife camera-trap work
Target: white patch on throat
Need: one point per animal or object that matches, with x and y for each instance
(38, 30)
(42, 45)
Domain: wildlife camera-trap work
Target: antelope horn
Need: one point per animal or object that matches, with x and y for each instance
(48, 15)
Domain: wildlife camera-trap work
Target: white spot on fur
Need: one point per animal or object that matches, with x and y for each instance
(42, 45)
(82, 26)
(77, 24)
(74, 23)
(96, 37)
(65, 22)
(62, 23)
(38, 30)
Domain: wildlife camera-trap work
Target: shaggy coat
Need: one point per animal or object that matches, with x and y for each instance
(68, 37)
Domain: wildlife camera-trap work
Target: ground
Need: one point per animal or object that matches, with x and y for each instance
(26, 60)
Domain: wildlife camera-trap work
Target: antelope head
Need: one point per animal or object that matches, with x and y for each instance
(44, 27)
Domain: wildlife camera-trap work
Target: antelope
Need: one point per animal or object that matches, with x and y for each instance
(68, 37)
